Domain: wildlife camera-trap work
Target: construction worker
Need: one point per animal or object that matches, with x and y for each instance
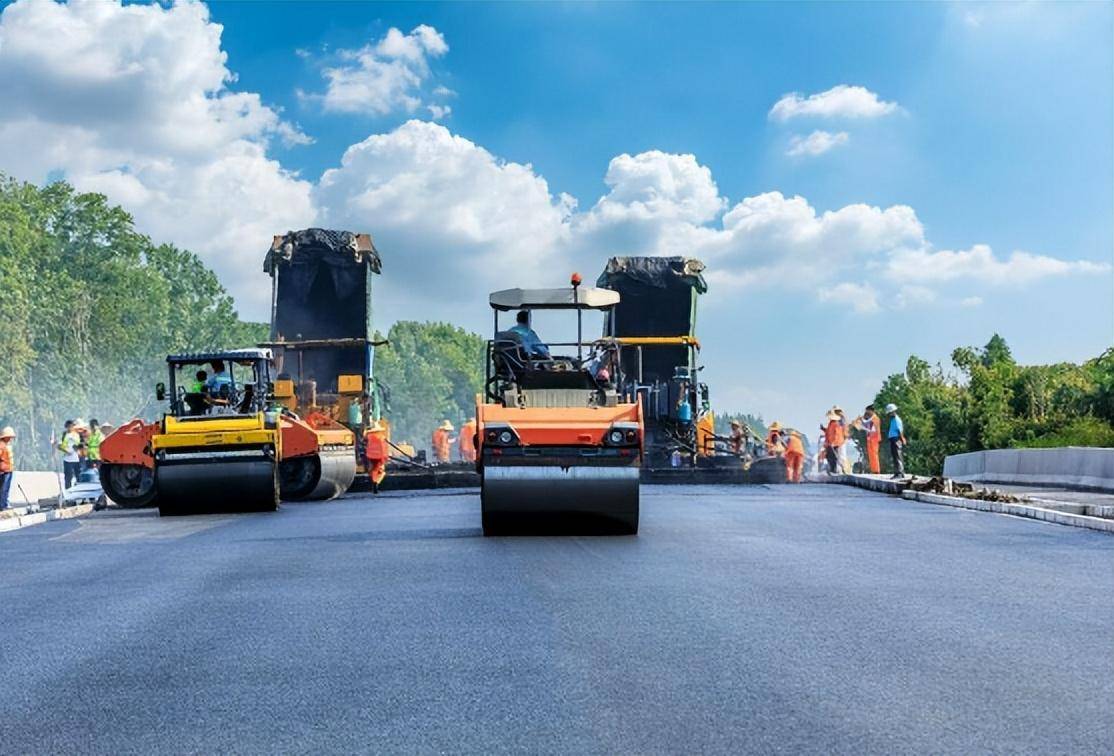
(896, 437)
(198, 385)
(738, 438)
(377, 452)
(442, 442)
(7, 465)
(93, 445)
(220, 377)
(774, 447)
(70, 446)
(794, 457)
(834, 437)
(468, 441)
(870, 424)
(530, 341)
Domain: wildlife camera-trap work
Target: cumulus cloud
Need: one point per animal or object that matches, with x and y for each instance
(135, 101)
(841, 101)
(451, 217)
(816, 143)
(385, 76)
(862, 298)
(979, 265)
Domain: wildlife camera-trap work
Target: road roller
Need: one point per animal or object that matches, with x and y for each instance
(558, 446)
(224, 444)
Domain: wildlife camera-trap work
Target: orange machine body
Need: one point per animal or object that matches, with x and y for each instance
(558, 426)
(130, 444)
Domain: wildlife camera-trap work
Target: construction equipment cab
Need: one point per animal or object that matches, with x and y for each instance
(558, 447)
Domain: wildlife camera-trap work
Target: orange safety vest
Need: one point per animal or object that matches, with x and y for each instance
(834, 435)
(467, 442)
(5, 457)
(375, 446)
(795, 446)
(441, 445)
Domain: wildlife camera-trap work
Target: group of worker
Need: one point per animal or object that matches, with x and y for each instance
(787, 443)
(443, 440)
(834, 436)
(80, 446)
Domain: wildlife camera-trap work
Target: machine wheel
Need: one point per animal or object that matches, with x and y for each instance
(130, 486)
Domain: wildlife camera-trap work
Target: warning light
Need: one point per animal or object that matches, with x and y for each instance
(576, 279)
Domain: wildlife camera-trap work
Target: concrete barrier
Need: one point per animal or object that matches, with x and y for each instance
(28, 487)
(1072, 466)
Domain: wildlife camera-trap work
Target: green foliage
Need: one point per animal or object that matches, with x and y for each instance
(432, 372)
(90, 307)
(994, 403)
(755, 422)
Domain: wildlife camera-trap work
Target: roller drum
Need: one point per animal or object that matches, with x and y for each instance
(324, 475)
(204, 483)
(554, 500)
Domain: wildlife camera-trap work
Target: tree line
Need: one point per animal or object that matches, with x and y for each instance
(988, 401)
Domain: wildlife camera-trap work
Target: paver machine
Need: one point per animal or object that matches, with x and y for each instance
(221, 445)
(655, 325)
(558, 446)
(324, 344)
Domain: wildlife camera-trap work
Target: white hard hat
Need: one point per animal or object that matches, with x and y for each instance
(891, 407)
(8, 432)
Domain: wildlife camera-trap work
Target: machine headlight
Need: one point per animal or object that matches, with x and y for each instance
(616, 437)
(506, 437)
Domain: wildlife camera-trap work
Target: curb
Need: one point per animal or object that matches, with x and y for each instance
(26, 520)
(1017, 510)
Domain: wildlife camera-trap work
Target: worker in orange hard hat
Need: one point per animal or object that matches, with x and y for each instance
(794, 457)
(376, 452)
(443, 442)
(468, 440)
(774, 447)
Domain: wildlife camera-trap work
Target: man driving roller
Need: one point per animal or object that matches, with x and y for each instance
(530, 341)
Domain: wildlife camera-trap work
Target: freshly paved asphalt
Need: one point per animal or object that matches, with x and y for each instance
(755, 619)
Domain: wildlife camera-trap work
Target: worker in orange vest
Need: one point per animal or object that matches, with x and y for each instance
(442, 442)
(794, 457)
(871, 425)
(468, 440)
(834, 438)
(376, 452)
(7, 465)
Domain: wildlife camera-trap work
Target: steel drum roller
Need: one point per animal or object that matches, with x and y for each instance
(208, 482)
(325, 475)
(552, 500)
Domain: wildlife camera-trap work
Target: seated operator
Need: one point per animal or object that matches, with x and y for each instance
(219, 378)
(530, 341)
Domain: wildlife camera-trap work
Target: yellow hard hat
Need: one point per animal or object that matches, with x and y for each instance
(8, 432)
(446, 425)
(377, 427)
(775, 425)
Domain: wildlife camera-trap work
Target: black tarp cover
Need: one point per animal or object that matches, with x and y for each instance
(321, 283)
(658, 298)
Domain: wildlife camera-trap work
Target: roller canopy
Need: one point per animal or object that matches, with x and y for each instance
(554, 299)
(232, 355)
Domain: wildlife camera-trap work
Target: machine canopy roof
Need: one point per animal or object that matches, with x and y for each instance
(554, 299)
(231, 355)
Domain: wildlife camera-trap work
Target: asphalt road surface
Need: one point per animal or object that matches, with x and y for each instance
(751, 619)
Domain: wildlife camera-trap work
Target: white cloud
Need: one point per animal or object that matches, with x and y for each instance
(912, 295)
(970, 302)
(438, 112)
(816, 143)
(979, 265)
(383, 77)
(135, 101)
(451, 218)
(841, 101)
(863, 298)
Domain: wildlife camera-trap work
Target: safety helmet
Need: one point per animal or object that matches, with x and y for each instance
(446, 425)
(8, 432)
(775, 426)
(376, 427)
(891, 407)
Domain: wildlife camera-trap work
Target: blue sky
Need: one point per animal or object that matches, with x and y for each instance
(990, 124)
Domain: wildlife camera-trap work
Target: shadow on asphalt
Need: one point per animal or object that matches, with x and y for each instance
(415, 534)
